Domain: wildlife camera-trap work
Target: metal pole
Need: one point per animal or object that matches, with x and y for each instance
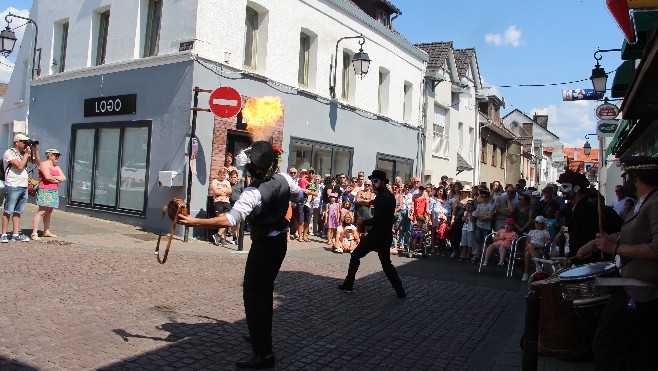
(36, 34)
(189, 158)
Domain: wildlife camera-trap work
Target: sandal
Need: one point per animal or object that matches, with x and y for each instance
(48, 233)
(35, 237)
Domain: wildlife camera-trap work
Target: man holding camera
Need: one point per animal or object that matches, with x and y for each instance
(15, 163)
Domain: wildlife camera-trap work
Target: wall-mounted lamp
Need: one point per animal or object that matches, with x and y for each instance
(8, 39)
(587, 148)
(360, 62)
(599, 76)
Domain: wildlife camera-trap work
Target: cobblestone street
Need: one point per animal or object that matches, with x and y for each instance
(96, 299)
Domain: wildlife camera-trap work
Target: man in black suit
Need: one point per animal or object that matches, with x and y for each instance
(379, 237)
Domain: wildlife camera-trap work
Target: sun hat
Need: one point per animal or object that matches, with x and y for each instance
(53, 151)
(540, 219)
(510, 221)
(536, 194)
(20, 137)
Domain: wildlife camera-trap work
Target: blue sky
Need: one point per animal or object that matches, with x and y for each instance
(516, 41)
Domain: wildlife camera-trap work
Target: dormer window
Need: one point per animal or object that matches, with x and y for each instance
(383, 18)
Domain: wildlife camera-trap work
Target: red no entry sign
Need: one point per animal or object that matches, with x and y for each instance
(225, 102)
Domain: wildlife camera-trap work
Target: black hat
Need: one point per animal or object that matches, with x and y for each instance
(639, 162)
(378, 174)
(574, 178)
(262, 155)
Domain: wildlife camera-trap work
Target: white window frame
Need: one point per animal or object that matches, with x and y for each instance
(440, 133)
(251, 39)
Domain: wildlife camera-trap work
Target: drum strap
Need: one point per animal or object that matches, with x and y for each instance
(621, 281)
(171, 234)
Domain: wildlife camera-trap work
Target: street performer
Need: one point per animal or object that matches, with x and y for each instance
(265, 202)
(627, 334)
(379, 237)
(579, 215)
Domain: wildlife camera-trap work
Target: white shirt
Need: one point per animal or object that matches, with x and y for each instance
(13, 176)
(250, 200)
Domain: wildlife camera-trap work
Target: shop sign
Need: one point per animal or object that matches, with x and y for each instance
(581, 94)
(607, 128)
(111, 106)
(607, 111)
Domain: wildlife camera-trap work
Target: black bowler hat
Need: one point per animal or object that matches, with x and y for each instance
(262, 155)
(378, 174)
(639, 162)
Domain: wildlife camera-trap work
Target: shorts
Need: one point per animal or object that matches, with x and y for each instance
(221, 207)
(468, 238)
(15, 199)
(303, 214)
(48, 198)
(481, 234)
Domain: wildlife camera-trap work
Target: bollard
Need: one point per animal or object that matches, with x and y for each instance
(530, 340)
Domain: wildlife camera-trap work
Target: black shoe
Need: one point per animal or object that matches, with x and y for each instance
(257, 361)
(343, 287)
(246, 338)
(401, 293)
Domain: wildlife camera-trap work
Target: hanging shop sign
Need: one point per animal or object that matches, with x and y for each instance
(607, 128)
(581, 94)
(111, 106)
(225, 102)
(607, 111)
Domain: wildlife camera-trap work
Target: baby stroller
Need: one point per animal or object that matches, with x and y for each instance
(423, 236)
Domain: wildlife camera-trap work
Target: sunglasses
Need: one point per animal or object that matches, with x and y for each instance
(293, 172)
(55, 154)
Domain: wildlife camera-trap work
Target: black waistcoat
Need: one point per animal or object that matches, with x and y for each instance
(275, 196)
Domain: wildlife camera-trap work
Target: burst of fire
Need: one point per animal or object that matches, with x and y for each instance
(262, 113)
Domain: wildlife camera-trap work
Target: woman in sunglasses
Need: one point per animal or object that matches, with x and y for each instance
(50, 176)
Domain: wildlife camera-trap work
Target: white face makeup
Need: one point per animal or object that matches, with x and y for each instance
(376, 183)
(566, 187)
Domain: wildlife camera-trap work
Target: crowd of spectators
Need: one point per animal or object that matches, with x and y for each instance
(456, 218)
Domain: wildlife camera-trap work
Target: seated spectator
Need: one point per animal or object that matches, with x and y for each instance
(347, 237)
(536, 242)
(502, 241)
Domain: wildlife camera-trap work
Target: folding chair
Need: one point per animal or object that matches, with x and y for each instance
(487, 241)
(517, 253)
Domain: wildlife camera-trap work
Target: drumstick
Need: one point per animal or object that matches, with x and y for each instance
(598, 199)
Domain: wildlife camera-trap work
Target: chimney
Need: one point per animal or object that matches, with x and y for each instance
(575, 154)
(541, 120)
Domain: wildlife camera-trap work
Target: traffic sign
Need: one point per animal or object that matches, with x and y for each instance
(225, 102)
(607, 128)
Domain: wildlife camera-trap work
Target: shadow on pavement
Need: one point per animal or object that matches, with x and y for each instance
(8, 364)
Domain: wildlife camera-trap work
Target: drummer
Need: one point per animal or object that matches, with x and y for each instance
(627, 334)
(579, 215)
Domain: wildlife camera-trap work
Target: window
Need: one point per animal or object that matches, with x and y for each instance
(471, 144)
(153, 19)
(440, 143)
(395, 166)
(382, 91)
(406, 106)
(494, 153)
(101, 44)
(60, 41)
(304, 59)
(110, 166)
(460, 133)
(502, 157)
(325, 158)
(347, 61)
(251, 39)
(383, 18)
(483, 156)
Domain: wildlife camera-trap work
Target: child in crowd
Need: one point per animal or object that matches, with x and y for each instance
(551, 222)
(441, 236)
(502, 241)
(332, 218)
(536, 242)
(346, 207)
(418, 232)
(468, 231)
(347, 237)
(221, 190)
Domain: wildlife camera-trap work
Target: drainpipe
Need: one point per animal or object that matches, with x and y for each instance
(423, 132)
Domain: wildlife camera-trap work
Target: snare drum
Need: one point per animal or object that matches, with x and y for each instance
(579, 283)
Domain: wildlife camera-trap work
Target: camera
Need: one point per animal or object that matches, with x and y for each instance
(31, 142)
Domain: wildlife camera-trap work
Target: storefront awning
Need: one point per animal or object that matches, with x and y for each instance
(641, 100)
(462, 164)
(622, 80)
(621, 129)
(643, 22)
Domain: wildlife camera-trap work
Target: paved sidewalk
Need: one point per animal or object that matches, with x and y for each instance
(95, 298)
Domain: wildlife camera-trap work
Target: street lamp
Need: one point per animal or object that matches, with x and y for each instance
(360, 62)
(587, 148)
(599, 76)
(8, 39)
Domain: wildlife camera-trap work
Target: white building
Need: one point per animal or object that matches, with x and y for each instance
(117, 79)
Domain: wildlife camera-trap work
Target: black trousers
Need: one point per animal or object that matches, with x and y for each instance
(627, 339)
(263, 264)
(374, 241)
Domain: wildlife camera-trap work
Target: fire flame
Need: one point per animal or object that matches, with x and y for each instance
(261, 115)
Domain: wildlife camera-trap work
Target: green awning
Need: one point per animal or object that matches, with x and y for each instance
(644, 22)
(615, 139)
(622, 80)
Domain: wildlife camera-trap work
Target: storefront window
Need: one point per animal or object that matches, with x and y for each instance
(395, 166)
(323, 157)
(110, 166)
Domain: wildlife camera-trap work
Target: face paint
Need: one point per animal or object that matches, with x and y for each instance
(375, 183)
(567, 190)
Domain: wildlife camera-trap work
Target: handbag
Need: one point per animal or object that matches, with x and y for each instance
(175, 207)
